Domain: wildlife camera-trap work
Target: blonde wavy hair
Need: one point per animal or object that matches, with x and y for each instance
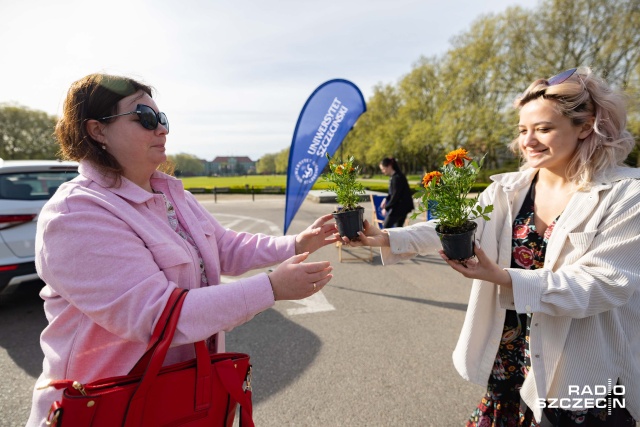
(581, 97)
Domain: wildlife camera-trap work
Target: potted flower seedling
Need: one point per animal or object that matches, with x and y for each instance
(343, 177)
(446, 194)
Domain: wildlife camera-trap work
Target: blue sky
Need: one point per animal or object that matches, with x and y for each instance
(232, 76)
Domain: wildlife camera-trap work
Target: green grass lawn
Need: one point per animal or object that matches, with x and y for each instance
(239, 182)
(377, 182)
(243, 184)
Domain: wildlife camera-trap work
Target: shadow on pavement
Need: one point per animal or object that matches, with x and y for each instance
(427, 259)
(443, 304)
(22, 320)
(280, 351)
(357, 255)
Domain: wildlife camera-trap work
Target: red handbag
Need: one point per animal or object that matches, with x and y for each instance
(204, 391)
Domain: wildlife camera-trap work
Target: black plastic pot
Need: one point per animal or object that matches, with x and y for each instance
(350, 222)
(458, 246)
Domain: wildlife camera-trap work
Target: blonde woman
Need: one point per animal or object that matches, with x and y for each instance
(552, 324)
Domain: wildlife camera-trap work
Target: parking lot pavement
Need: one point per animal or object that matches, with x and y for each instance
(375, 351)
(372, 349)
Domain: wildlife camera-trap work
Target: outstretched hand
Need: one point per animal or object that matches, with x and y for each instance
(317, 235)
(480, 267)
(372, 236)
(294, 279)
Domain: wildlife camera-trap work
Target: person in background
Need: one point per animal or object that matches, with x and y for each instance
(113, 243)
(552, 323)
(399, 202)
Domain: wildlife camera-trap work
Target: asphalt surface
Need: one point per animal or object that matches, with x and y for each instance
(373, 348)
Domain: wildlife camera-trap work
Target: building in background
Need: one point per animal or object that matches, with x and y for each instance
(227, 166)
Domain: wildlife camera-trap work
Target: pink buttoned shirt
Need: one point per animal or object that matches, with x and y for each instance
(110, 260)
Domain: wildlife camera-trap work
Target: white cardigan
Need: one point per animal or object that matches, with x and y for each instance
(585, 302)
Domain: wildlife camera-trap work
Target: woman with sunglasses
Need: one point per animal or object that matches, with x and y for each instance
(114, 242)
(552, 324)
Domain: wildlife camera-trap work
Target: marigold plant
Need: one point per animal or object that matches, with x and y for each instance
(445, 193)
(344, 182)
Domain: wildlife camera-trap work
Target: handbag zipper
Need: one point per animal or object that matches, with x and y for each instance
(248, 379)
(79, 387)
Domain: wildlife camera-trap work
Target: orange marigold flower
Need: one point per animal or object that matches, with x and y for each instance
(339, 169)
(457, 157)
(428, 177)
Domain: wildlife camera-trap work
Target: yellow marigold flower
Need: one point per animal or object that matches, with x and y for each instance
(428, 177)
(339, 169)
(457, 157)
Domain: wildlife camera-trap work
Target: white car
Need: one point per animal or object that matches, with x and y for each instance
(25, 186)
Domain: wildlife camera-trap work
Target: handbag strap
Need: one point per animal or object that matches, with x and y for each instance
(140, 366)
(151, 362)
(155, 357)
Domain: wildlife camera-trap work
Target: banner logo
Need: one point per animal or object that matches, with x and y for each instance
(306, 171)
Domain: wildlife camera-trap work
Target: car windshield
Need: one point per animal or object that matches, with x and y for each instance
(33, 185)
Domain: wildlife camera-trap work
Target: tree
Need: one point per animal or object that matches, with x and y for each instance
(464, 98)
(378, 132)
(282, 160)
(187, 164)
(600, 33)
(26, 133)
(266, 164)
(421, 112)
(480, 88)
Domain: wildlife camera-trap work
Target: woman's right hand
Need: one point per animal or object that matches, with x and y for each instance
(372, 236)
(293, 279)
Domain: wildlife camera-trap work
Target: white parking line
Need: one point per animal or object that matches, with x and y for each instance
(316, 303)
(234, 220)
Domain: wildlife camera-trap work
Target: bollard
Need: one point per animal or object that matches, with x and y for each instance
(215, 195)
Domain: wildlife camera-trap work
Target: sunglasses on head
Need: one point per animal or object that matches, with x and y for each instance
(562, 77)
(149, 119)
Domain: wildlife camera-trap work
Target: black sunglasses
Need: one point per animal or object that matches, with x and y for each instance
(149, 119)
(562, 77)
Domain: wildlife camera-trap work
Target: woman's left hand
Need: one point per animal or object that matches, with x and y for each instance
(317, 235)
(480, 267)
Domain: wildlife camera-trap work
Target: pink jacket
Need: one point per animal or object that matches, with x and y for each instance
(110, 261)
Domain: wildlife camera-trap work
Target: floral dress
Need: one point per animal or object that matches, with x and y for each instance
(501, 405)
